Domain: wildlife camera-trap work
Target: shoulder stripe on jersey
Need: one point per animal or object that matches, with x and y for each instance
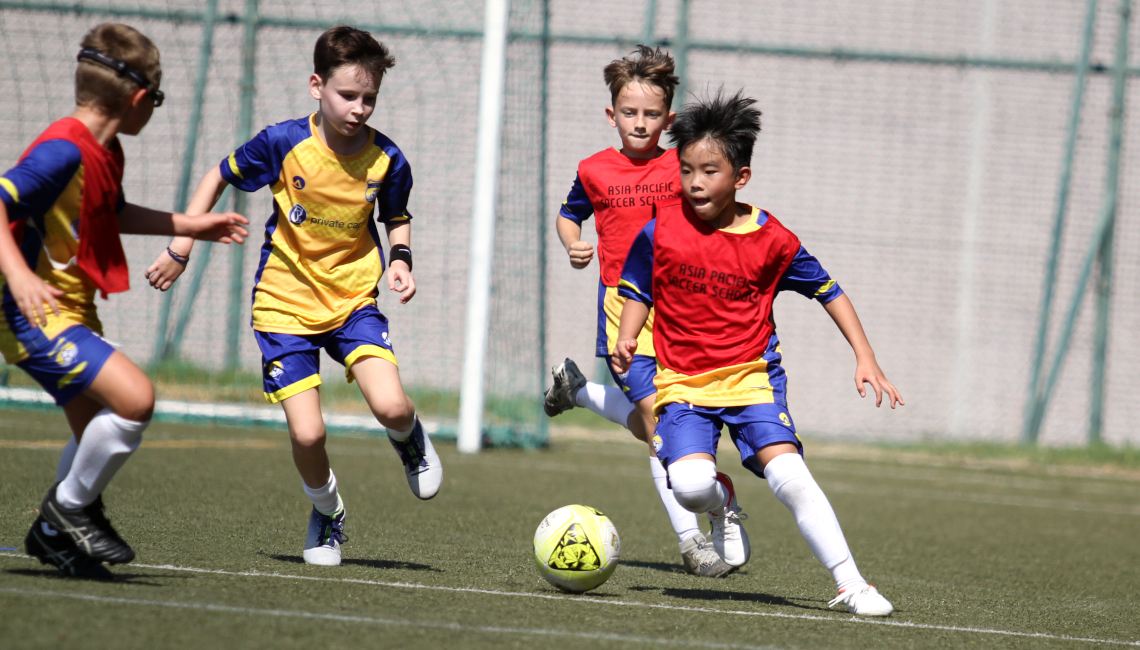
(10, 188)
(631, 286)
(234, 166)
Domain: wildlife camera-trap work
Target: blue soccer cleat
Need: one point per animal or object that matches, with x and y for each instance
(421, 463)
(325, 537)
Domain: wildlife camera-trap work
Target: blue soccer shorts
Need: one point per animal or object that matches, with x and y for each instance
(684, 429)
(66, 365)
(291, 363)
(637, 382)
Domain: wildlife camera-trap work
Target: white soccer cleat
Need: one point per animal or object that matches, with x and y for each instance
(324, 538)
(421, 463)
(728, 535)
(701, 559)
(864, 601)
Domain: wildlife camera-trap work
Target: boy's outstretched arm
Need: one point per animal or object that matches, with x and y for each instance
(165, 270)
(633, 316)
(580, 252)
(223, 227)
(866, 367)
(399, 273)
(29, 291)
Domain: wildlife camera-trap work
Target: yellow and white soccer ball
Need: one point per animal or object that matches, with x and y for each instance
(576, 548)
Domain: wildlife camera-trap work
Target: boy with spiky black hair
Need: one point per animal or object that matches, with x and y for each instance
(710, 268)
(618, 188)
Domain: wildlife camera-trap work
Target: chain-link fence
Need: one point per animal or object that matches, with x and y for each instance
(915, 147)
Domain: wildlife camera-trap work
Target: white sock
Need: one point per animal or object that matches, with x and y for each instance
(65, 459)
(695, 486)
(107, 443)
(325, 498)
(684, 522)
(795, 487)
(399, 435)
(606, 401)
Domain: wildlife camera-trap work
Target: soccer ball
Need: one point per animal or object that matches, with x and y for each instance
(576, 548)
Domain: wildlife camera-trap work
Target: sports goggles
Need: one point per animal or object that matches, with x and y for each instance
(123, 70)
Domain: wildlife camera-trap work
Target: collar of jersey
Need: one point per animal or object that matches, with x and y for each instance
(752, 225)
(639, 162)
(325, 147)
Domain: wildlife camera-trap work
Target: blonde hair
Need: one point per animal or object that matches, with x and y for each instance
(653, 67)
(101, 88)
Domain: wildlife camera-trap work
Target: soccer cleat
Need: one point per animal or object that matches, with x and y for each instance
(728, 535)
(568, 380)
(324, 539)
(421, 463)
(701, 558)
(88, 529)
(864, 601)
(47, 545)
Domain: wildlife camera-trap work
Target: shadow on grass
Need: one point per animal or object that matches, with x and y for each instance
(734, 596)
(581, 594)
(375, 564)
(116, 578)
(656, 566)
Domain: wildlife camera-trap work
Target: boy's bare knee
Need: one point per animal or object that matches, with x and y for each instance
(394, 412)
(139, 406)
(308, 436)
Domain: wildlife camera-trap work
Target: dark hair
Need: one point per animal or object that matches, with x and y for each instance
(653, 67)
(101, 88)
(344, 45)
(731, 124)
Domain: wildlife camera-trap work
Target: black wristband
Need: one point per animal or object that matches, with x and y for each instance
(402, 253)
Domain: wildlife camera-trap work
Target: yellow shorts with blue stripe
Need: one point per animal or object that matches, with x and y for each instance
(291, 363)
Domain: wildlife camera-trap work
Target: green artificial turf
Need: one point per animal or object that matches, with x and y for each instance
(970, 556)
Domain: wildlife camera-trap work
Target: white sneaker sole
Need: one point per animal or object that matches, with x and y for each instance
(322, 556)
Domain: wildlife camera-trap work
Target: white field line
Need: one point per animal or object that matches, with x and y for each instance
(594, 601)
(456, 627)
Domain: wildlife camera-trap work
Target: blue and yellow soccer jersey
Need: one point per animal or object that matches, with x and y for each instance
(43, 196)
(322, 258)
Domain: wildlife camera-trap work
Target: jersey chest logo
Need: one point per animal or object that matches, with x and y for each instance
(298, 214)
(372, 190)
(298, 183)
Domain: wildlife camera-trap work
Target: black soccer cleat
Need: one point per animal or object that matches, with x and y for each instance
(47, 545)
(88, 529)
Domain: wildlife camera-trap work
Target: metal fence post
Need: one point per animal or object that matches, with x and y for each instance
(681, 50)
(1030, 429)
(245, 131)
(543, 220)
(650, 18)
(1112, 183)
(162, 345)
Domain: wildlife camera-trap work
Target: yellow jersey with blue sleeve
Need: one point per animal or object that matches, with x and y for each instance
(43, 196)
(322, 258)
